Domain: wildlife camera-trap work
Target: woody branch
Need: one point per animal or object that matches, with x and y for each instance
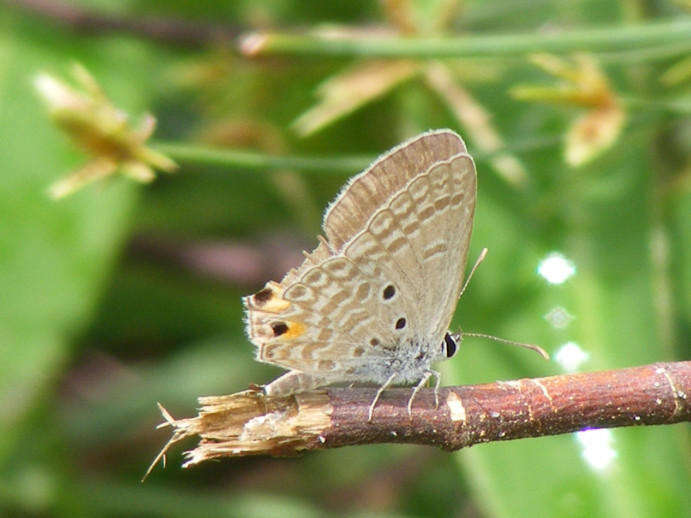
(248, 423)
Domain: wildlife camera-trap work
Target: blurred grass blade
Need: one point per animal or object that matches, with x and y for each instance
(346, 92)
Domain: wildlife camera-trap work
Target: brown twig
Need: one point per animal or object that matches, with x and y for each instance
(236, 263)
(167, 30)
(249, 423)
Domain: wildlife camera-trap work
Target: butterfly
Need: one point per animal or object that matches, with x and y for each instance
(373, 302)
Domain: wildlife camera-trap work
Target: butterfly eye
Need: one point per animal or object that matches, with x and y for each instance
(450, 344)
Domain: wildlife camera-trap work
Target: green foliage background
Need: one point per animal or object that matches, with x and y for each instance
(93, 333)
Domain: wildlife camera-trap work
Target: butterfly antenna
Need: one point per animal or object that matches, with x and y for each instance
(480, 258)
(532, 347)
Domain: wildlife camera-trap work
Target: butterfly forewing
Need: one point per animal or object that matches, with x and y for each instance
(445, 254)
(365, 193)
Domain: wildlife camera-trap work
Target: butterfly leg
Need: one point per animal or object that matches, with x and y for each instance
(386, 385)
(437, 376)
(422, 383)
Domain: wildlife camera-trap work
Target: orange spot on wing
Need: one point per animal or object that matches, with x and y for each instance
(295, 329)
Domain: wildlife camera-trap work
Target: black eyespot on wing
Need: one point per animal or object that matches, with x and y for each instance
(450, 345)
(262, 297)
(279, 328)
(400, 323)
(389, 292)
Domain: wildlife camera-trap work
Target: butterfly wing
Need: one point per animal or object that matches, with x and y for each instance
(419, 242)
(389, 270)
(365, 193)
(453, 194)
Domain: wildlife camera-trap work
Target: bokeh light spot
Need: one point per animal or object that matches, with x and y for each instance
(597, 448)
(555, 268)
(570, 356)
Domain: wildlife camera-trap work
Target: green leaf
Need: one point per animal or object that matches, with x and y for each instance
(55, 255)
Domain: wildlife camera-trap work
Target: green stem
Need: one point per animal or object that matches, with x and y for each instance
(191, 154)
(680, 106)
(647, 54)
(601, 39)
(256, 161)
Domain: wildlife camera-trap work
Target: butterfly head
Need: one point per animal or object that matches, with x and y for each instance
(450, 344)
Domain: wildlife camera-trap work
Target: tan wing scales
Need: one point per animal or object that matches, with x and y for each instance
(333, 312)
(364, 194)
(325, 311)
(452, 202)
